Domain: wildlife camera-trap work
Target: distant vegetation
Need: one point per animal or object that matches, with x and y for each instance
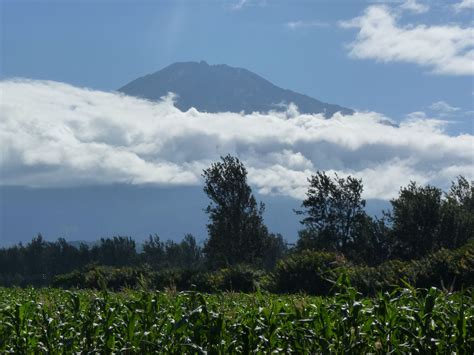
(425, 240)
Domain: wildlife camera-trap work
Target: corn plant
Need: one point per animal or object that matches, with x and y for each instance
(135, 322)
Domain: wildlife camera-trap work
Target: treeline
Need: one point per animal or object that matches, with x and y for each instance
(425, 239)
(38, 262)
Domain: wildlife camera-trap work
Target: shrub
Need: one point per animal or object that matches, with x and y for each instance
(175, 278)
(384, 277)
(100, 277)
(312, 272)
(451, 269)
(446, 268)
(240, 278)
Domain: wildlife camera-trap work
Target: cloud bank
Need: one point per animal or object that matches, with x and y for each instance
(447, 49)
(55, 134)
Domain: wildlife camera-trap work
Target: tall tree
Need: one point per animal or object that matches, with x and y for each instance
(154, 252)
(236, 230)
(333, 213)
(191, 252)
(457, 214)
(415, 218)
(116, 251)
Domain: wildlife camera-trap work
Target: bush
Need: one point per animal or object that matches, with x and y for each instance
(449, 269)
(100, 277)
(175, 278)
(452, 269)
(312, 272)
(239, 278)
(384, 277)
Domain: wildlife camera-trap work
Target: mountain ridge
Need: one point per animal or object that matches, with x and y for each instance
(222, 88)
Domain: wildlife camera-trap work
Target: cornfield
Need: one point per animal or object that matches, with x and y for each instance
(407, 320)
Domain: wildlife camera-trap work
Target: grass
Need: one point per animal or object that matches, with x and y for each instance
(408, 320)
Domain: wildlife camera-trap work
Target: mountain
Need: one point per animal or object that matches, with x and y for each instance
(221, 88)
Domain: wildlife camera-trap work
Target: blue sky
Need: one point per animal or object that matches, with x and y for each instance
(301, 45)
(90, 157)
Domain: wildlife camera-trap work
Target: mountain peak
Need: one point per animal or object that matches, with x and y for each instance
(222, 88)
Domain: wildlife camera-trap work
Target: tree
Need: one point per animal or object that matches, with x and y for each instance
(415, 218)
(276, 248)
(34, 257)
(457, 215)
(116, 251)
(236, 230)
(154, 252)
(190, 251)
(462, 193)
(333, 213)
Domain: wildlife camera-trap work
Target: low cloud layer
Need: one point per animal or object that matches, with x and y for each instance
(55, 134)
(443, 49)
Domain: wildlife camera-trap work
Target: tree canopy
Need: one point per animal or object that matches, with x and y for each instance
(333, 212)
(236, 230)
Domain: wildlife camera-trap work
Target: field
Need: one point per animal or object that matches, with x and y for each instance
(408, 320)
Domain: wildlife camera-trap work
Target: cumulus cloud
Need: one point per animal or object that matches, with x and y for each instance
(444, 49)
(55, 134)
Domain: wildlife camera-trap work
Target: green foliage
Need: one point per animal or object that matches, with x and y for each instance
(311, 272)
(176, 279)
(102, 277)
(116, 251)
(39, 262)
(276, 248)
(139, 322)
(236, 230)
(186, 254)
(423, 221)
(427, 240)
(447, 269)
(238, 278)
(457, 215)
(415, 216)
(154, 253)
(333, 210)
(451, 269)
(335, 220)
(384, 277)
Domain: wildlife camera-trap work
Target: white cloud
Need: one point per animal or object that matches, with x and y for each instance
(294, 25)
(414, 6)
(240, 4)
(445, 49)
(464, 5)
(55, 134)
(443, 108)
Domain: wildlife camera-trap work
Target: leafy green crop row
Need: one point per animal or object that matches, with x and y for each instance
(408, 320)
